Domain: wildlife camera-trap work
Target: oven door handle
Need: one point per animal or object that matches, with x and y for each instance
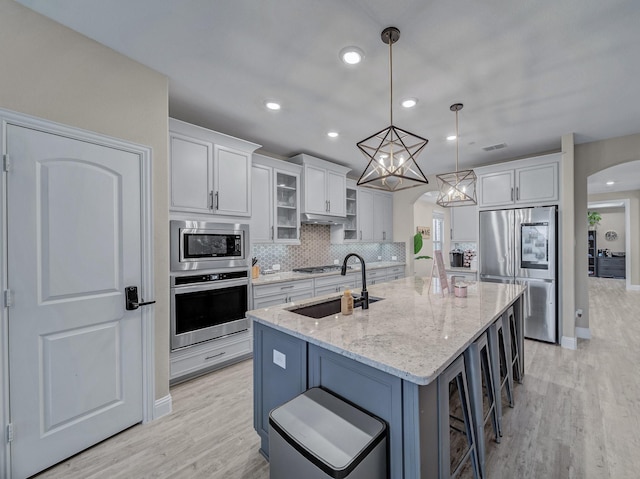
(209, 286)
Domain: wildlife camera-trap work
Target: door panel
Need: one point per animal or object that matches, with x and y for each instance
(539, 310)
(496, 243)
(75, 354)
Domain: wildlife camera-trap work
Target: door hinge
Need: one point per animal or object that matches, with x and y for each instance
(6, 163)
(8, 298)
(10, 432)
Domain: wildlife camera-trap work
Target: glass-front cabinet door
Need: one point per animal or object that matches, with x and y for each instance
(351, 226)
(287, 206)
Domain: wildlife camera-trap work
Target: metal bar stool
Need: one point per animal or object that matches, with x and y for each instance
(514, 332)
(455, 372)
(500, 351)
(479, 366)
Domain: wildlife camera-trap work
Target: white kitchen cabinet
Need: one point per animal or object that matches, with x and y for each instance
(464, 223)
(334, 283)
(261, 204)
(350, 231)
(375, 216)
(275, 201)
(365, 214)
(533, 181)
(210, 172)
(382, 217)
(324, 186)
(285, 292)
(395, 272)
(204, 357)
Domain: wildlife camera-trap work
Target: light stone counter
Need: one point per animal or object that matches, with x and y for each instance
(291, 276)
(411, 334)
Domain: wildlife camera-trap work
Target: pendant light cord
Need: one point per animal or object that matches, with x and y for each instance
(457, 140)
(391, 78)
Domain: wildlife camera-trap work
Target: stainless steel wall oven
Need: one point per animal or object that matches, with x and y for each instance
(209, 280)
(208, 306)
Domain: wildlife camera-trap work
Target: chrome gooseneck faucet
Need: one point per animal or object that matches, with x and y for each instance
(363, 300)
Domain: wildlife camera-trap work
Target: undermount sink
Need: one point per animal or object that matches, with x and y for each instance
(326, 308)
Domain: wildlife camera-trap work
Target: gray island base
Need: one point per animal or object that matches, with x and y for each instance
(386, 360)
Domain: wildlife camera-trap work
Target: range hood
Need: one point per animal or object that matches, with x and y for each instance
(311, 218)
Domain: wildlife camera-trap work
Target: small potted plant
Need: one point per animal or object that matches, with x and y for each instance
(594, 219)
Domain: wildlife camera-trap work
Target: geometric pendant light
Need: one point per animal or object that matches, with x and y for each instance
(459, 187)
(392, 152)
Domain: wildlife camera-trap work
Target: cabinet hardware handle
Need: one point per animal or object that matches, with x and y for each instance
(286, 287)
(211, 200)
(217, 200)
(384, 235)
(272, 234)
(360, 235)
(517, 193)
(329, 203)
(511, 194)
(214, 356)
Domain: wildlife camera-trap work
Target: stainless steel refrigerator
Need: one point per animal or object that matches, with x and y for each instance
(519, 246)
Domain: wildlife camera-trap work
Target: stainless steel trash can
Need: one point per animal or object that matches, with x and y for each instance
(318, 436)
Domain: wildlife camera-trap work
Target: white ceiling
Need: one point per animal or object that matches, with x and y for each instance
(527, 72)
(625, 177)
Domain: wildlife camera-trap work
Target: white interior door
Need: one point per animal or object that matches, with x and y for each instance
(75, 353)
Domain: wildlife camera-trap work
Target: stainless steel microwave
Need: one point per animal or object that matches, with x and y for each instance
(198, 245)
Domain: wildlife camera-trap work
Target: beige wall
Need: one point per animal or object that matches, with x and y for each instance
(51, 72)
(589, 159)
(612, 220)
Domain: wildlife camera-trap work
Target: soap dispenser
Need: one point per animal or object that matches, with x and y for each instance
(346, 303)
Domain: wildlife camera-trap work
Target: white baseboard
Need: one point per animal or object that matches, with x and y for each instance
(162, 407)
(583, 333)
(569, 343)
(633, 287)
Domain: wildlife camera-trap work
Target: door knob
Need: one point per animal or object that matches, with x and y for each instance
(131, 299)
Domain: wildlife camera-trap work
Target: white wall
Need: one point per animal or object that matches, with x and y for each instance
(52, 72)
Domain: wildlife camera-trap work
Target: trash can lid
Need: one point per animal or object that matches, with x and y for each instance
(332, 434)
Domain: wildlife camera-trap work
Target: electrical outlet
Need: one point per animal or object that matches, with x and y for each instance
(578, 313)
(394, 258)
(279, 359)
(379, 258)
(335, 261)
(276, 267)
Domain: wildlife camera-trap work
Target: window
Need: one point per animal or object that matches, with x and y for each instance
(438, 231)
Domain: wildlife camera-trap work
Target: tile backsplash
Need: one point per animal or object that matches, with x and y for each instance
(315, 249)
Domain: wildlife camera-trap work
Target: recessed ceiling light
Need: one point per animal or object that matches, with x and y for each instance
(451, 137)
(409, 102)
(272, 105)
(333, 134)
(609, 183)
(351, 55)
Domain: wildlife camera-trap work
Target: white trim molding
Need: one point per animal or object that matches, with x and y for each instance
(162, 407)
(583, 333)
(569, 343)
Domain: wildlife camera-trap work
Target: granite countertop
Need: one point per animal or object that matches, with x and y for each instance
(291, 276)
(410, 334)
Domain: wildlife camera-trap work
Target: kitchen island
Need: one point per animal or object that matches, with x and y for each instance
(386, 359)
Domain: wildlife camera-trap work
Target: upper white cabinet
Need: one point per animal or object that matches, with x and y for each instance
(382, 216)
(210, 171)
(533, 181)
(323, 186)
(464, 224)
(275, 201)
(375, 215)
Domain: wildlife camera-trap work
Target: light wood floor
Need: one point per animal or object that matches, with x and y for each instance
(577, 415)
